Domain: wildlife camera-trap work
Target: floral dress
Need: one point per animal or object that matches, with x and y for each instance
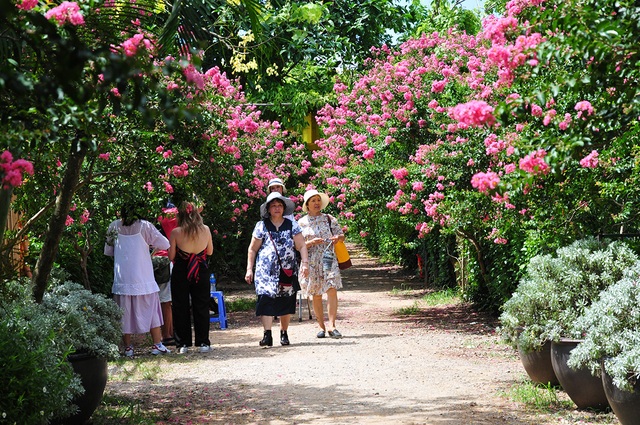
(272, 301)
(323, 266)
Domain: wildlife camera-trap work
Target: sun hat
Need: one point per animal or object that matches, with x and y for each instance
(277, 182)
(289, 206)
(311, 193)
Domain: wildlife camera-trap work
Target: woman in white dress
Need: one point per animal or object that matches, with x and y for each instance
(320, 231)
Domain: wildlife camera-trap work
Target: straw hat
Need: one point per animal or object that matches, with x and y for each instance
(311, 193)
(289, 206)
(277, 182)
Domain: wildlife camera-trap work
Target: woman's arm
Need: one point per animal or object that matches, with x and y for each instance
(336, 230)
(251, 258)
(173, 243)
(209, 241)
(301, 246)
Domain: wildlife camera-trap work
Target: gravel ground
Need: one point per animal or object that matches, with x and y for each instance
(444, 365)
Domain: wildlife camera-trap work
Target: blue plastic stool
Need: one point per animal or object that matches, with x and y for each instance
(222, 310)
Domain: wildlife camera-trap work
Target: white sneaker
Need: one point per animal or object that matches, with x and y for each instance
(183, 350)
(204, 348)
(159, 349)
(128, 351)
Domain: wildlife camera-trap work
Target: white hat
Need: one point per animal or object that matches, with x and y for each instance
(311, 193)
(289, 206)
(277, 182)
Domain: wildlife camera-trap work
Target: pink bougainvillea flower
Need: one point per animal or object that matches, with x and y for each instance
(484, 182)
(475, 113)
(68, 11)
(584, 106)
(26, 4)
(69, 221)
(534, 163)
(11, 171)
(85, 216)
(591, 160)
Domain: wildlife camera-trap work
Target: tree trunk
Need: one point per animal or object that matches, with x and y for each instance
(5, 204)
(58, 218)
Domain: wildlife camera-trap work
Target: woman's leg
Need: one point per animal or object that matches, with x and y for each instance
(267, 339)
(181, 307)
(284, 322)
(267, 322)
(167, 316)
(200, 295)
(156, 334)
(332, 307)
(318, 310)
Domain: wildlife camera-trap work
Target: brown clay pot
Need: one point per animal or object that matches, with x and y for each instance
(625, 404)
(584, 389)
(538, 365)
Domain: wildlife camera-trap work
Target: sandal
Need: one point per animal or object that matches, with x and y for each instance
(320, 334)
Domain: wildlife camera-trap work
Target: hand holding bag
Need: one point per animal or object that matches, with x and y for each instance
(344, 260)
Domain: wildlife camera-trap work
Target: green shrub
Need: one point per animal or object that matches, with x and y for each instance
(556, 290)
(88, 322)
(37, 382)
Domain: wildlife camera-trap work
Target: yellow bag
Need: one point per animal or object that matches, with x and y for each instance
(342, 255)
(344, 260)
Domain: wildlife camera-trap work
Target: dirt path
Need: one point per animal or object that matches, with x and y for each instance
(443, 366)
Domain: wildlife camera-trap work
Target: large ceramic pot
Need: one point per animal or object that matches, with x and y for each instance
(93, 372)
(584, 389)
(625, 404)
(538, 365)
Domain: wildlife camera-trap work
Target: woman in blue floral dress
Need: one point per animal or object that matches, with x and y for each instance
(272, 249)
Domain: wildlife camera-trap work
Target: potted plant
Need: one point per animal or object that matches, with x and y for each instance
(611, 344)
(555, 292)
(37, 383)
(89, 324)
(56, 368)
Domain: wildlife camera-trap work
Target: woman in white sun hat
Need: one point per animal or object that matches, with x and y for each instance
(272, 252)
(277, 185)
(319, 231)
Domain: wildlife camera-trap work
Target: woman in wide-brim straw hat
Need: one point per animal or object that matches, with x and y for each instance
(319, 231)
(273, 244)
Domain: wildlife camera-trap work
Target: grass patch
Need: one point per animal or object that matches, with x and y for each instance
(543, 398)
(441, 297)
(135, 370)
(117, 409)
(409, 311)
(241, 304)
(405, 289)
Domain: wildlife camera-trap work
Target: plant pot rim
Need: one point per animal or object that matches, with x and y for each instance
(569, 340)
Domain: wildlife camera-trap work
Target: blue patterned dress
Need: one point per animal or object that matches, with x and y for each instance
(272, 299)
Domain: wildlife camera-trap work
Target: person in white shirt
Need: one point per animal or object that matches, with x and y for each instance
(134, 287)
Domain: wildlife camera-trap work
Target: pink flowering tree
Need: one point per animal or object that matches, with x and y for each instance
(116, 122)
(512, 141)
